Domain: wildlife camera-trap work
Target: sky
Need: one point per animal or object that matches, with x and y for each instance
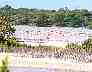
(48, 4)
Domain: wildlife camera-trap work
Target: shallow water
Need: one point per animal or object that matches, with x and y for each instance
(44, 29)
(26, 69)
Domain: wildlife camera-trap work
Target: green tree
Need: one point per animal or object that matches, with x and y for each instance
(43, 17)
(59, 19)
(6, 29)
(43, 20)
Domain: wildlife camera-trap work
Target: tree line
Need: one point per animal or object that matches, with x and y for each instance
(63, 17)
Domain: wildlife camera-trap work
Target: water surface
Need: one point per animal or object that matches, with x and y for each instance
(29, 69)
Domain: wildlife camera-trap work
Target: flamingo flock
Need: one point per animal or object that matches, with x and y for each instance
(52, 34)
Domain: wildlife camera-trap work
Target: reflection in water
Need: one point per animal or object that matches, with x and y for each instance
(26, 69)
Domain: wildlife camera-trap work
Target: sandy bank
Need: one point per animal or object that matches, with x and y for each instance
(52, 43)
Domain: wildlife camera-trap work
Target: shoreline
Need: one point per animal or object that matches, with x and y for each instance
(51, 63)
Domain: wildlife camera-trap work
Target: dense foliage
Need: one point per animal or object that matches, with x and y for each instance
(41, 17)
(86, 45)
